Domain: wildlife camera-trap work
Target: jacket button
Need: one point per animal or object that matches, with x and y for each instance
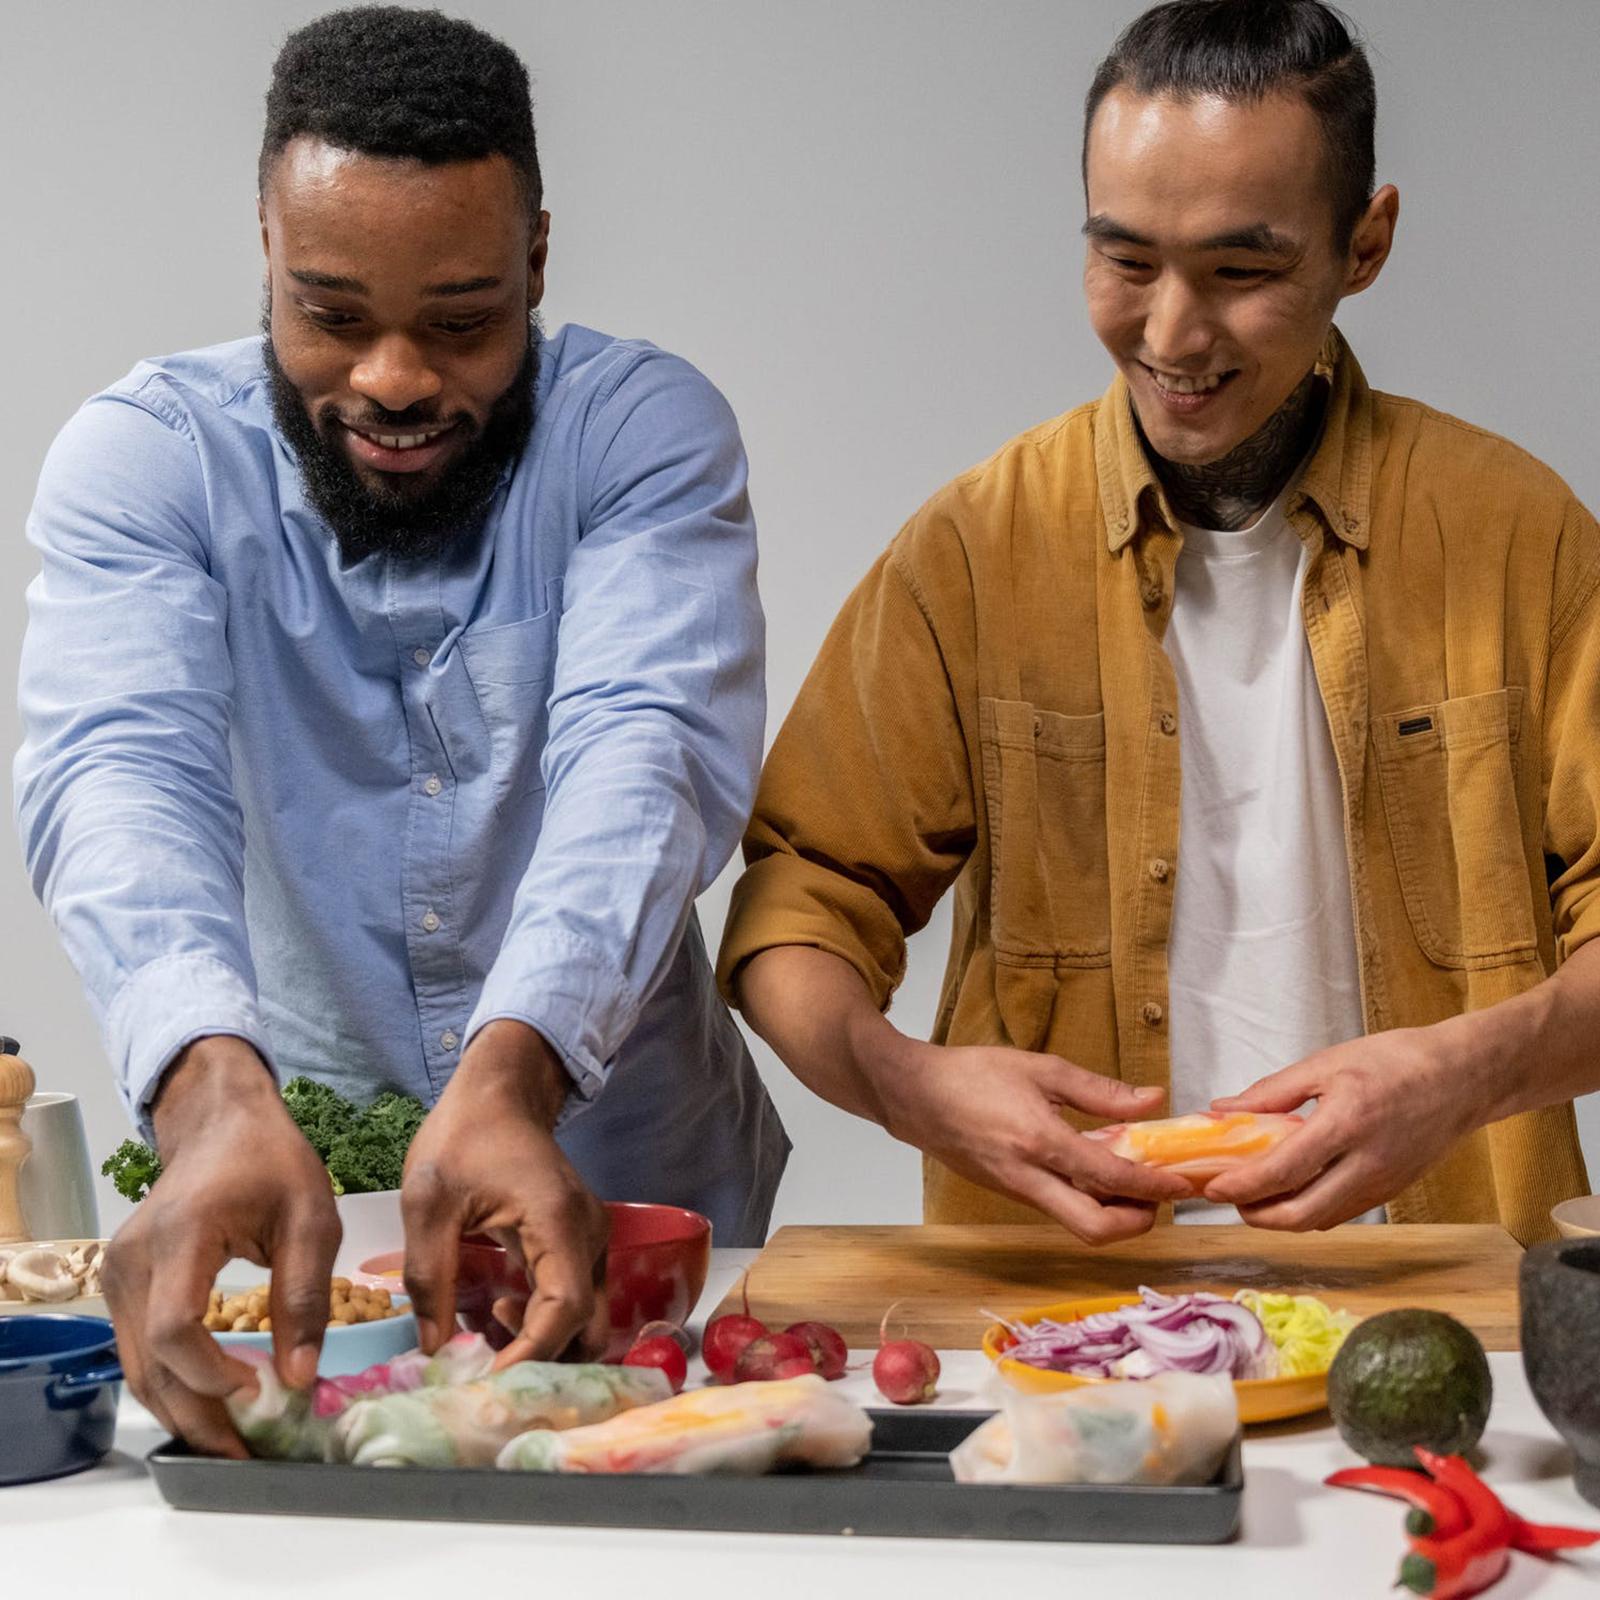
(1151, 1013)
(1150, 593)
(1160, 869)
(1169, 723)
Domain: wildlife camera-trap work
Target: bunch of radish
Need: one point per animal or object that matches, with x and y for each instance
(738, 1348)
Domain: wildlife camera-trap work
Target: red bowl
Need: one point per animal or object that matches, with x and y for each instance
(656, 1265)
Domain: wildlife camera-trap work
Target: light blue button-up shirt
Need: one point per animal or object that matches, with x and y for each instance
(353, 813)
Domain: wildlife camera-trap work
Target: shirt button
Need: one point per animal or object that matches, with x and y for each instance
(430, 922)
(448, 1040)
(1160, 869)
(433, 785)
(422, 657)
(1151, 1013)
(1169, 723)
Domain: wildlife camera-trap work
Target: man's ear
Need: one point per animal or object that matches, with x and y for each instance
(1372, 240)
(538, 254)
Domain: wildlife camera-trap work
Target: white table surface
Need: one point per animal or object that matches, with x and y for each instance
(107, 1532)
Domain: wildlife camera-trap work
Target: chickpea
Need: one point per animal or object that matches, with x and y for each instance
(383, 1298)
(265, 1325)
(244, 1324)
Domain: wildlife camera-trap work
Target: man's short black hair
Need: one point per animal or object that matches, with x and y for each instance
(389, 81)
(1244, 50)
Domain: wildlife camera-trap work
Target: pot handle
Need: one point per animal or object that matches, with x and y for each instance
(111, 1372)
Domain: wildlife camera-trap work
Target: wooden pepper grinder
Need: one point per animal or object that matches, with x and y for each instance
(16, 1084)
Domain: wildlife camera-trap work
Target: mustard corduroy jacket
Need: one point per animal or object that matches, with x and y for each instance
(993, 710)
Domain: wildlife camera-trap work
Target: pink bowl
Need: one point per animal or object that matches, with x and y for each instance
(656, 1265)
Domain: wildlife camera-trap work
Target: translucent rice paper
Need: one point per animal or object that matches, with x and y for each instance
(283, 1424)
(743, 1429)
(1173, 1428)
(465, 1425)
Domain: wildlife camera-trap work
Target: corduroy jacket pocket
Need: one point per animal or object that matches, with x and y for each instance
(1449, 794)
(1044, 779)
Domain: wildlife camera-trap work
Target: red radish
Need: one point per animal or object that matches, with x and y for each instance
(660, 1352)
(828, 1349)
(774, 1355)
(906, 1371)
(725, 1337)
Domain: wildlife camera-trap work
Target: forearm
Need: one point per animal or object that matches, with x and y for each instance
(1536, 1049)
(817, 1013)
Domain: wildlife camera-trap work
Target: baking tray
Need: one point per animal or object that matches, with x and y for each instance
(903, 1489)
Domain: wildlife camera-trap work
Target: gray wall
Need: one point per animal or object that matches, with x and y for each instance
(859, 219)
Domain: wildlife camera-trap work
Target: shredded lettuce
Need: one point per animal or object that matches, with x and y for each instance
(1306, 1332)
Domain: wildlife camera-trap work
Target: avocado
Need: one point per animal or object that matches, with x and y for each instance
(1411, 1377)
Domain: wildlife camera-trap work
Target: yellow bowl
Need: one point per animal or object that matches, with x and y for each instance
(1260, 1399)
(1578, 1219)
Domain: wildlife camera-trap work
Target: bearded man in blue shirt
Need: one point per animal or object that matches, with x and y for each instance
(392, 687)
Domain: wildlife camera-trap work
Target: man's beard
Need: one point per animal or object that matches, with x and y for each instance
(368, 520)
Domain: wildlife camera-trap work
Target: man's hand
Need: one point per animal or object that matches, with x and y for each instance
(239, 1179)
(991, 1114)
(1388, 1106)
(485, 1161)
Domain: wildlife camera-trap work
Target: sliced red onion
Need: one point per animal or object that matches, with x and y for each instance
(1201, 1333)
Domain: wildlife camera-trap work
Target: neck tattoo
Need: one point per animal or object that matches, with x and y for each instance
(1232, 492)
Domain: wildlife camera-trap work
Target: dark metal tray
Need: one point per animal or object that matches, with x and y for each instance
(903, 1489)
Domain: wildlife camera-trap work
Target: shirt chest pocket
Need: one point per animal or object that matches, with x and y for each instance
(511, 666)
(1044, 779)
(1449, 794)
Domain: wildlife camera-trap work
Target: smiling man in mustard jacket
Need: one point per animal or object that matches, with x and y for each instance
(1361, 630)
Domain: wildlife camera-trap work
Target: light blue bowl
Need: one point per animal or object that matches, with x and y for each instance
(347, 1350)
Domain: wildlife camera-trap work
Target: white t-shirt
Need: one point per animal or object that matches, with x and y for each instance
(1262, 955)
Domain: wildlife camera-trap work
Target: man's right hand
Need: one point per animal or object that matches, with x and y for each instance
(992, 1115)
(238, 1179)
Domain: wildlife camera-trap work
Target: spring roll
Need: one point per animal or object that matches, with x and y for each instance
(283, 1424)
(466, 1424)
(1201, 1146)
(1174, 1428)
(743, 1429)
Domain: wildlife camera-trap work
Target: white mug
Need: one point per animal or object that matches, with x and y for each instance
(56, 1184)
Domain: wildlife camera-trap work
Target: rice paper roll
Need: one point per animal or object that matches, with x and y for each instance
(1201, 1146)
(1170, 1429)
(465, 1425)
(743, 1429)
(282, 1424)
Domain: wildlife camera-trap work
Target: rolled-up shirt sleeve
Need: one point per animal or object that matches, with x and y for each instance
(656, 717)
(123, 783)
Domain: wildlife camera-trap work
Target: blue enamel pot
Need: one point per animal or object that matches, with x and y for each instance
(59, 1377)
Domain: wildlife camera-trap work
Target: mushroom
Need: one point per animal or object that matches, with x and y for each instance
(8, 1290)
(42, 1274)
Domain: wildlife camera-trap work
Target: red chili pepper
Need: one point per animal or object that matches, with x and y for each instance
(1471, 1560)
(1442, 1514)
(1545, 1539)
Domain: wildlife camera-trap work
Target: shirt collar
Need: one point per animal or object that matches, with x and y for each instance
(1337, 480)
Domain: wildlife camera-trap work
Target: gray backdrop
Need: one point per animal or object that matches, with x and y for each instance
(859, 219)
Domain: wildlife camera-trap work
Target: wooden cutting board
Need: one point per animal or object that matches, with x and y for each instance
(945, 1277)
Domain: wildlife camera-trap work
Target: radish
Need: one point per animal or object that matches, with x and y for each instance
(660, 1352)
(906, 1371)
(774, 1355)
(726, 1337)
(828, 1349)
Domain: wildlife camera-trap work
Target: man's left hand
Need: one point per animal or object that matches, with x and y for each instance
(1388, 1106)
(485, 1160)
